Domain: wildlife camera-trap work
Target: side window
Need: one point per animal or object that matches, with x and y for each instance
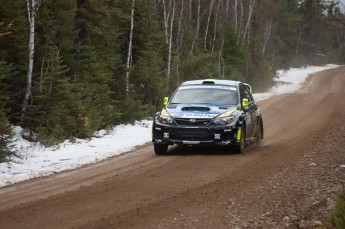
(244, 93)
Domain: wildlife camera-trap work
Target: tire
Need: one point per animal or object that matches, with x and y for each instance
(160, 149)
(259, 134)
(241, 147)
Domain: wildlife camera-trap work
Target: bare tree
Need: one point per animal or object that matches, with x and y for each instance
(129, 53)
(179, 42)
(299, 40)
(227, 7)
(267, 35)
(32, 6)
(223, 19)
(166, 19)
(239, 27)
(208, 22)
(190, 11)
(247, 29)
(197, 28)
(235, 14)
(215, 27)
(5, 29)
(170, 39)
(179, 35)
(268, 11)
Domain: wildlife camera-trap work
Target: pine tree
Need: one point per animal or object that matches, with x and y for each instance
(14, 47)
(55, 112)
(6, 140)
(148, 72)
(286, 38)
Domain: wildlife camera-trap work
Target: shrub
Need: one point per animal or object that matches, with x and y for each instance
(338, 214)
(6, 146)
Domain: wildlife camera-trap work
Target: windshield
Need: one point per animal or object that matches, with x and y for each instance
(206, 95)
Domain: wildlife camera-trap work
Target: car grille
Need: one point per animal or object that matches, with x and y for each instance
(195, 122)
(194, 134)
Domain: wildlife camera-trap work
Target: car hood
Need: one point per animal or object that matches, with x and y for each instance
(207, 111)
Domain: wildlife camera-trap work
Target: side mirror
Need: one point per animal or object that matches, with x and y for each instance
(245, 103)
(249, 88)
(166, 100)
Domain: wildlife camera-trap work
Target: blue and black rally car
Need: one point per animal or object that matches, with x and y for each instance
(218, 112)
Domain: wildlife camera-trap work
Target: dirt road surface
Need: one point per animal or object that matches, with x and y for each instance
(289, 181)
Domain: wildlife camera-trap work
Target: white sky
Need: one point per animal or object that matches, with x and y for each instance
(37, 160)
(342, 5)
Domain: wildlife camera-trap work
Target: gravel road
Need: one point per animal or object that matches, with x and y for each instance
(290, 180)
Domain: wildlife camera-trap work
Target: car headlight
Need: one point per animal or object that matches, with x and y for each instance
(223, 121)
(164, 117)
(164, 120)
(225, 118)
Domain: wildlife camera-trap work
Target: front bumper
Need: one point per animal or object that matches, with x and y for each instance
(194, 135)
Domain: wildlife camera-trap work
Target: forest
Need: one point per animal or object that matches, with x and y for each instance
(69, 68)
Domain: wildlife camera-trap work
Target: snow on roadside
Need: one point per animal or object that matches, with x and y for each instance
(36, 160)
(290, 81)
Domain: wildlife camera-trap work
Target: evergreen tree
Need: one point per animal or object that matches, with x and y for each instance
(313, 28)
(100, 63)
(13, 49)
(287, 33)
(6, 147)
(57, 109)
(147, 73)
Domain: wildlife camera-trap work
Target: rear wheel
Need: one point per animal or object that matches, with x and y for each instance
(242, 144)
(160, 149)
(259, 134)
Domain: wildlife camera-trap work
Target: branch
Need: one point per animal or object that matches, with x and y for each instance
(5, 30)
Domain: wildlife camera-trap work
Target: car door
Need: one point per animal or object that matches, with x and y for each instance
(250, 111)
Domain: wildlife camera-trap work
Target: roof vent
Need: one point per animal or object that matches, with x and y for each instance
(209, 81)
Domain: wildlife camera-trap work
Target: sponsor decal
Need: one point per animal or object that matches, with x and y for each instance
(196, 115)
(191, 142)
(208, 87)
(226, 142)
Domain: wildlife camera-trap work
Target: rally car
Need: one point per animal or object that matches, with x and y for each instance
(213, 112)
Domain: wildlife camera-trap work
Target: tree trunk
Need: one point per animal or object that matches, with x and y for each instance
(267, 35)
(170, 39)
(239, 28)
(246, 30)
(299, 40)
(179, 36)
(221, 59)
(197, 29)
(166, 19)
(190, 11)
(129, 53)
(32, 6)
(215, 27)
(208, 23)
(179, 43)
(235, 13)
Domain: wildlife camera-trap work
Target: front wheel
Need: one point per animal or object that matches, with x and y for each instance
(241, 147)
(160, 149)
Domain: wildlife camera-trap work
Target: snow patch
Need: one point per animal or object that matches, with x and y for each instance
(290, 81)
